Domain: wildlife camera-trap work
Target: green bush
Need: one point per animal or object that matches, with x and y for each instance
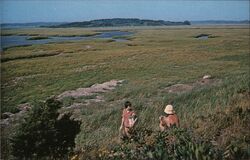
(41, 135)
(174, 144)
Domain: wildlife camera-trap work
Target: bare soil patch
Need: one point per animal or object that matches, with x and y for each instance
(207, 80)
(94, 89)
(179, 88)
(95, 92)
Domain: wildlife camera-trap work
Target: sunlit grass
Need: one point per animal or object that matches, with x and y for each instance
(152, 60)
(160, 56)
(48, 32)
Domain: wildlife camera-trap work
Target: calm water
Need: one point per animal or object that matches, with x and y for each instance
(203, 37)
(15, 40)
(112, 34)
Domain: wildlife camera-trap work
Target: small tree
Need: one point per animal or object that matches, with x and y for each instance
(42, 135)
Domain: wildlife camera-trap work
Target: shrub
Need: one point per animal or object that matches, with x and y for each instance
(177, 143)
(41, 135)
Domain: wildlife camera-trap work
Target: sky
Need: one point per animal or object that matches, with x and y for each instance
(23, 11)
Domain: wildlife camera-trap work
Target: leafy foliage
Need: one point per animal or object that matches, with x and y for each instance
(42, 135)
(177, 143)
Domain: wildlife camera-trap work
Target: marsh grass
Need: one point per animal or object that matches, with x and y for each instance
(28, 56)
(47, 32)
(152, 61)
(244, 58)
(178, 54)
(218, 114)
(37, 37)
(123, 37)
(188, 106)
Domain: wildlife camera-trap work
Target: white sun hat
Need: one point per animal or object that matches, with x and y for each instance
(169, 109)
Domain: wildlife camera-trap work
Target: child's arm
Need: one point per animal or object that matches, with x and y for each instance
(122, 122)
(162, 124)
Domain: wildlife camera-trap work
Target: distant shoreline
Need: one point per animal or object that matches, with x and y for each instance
(148, 23)
(194, 26)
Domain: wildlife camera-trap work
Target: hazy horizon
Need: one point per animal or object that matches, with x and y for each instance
(26, 11)
(122, 18)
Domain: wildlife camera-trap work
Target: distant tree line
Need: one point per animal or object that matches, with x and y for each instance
(117, 22)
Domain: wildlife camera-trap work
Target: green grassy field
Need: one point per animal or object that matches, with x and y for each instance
(48, 32)
(152, 60)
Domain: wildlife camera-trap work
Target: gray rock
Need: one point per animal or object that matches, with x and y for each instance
(6, 115)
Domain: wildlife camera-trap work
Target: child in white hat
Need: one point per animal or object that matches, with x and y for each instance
(170, 119)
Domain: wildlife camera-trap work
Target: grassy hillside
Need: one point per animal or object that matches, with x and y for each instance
(151, 61)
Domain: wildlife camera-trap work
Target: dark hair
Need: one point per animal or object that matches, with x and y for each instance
(127, 103)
